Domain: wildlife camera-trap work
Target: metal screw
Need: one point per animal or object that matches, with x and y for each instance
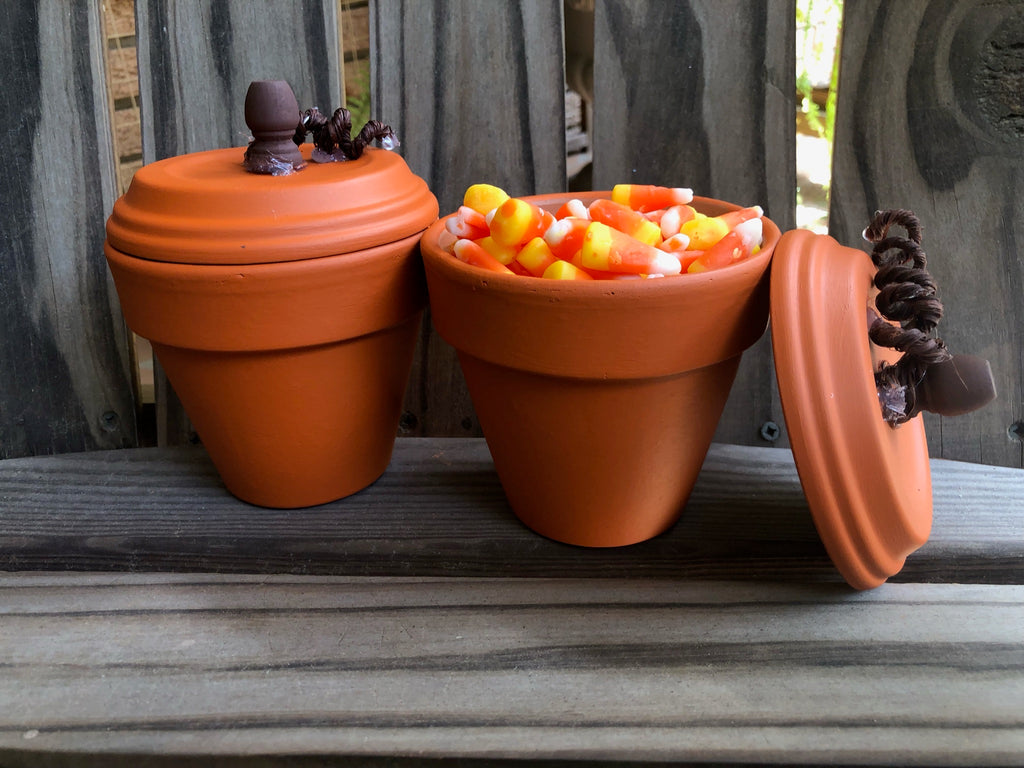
(467, 423)
(770, 431)
(408, 422)
(109, 421)
(1016, 431)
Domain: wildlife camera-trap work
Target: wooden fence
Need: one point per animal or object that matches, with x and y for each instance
(696, 93)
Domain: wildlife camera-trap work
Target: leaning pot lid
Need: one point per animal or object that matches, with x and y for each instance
(868, 484)
(206, 208)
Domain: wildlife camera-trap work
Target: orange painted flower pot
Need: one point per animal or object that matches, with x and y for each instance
(598, 399)
(284, 310)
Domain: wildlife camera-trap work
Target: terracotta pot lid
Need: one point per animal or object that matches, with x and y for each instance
(868, 483)
(206, 208)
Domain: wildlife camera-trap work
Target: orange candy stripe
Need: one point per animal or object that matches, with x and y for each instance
(471, 253)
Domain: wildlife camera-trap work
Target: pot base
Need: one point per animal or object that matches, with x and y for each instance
(298, 427)
(598, 463)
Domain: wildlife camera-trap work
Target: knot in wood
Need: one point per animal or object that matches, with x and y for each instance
(999, 79)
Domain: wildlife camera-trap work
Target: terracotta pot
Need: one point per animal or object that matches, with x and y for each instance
(293, 374)
(598, 400)
(284, 310)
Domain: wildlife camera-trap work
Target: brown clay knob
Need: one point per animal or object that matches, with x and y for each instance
(272, 113)
(962, 384)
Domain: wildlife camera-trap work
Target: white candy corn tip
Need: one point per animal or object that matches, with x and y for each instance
(665, 264)
(557, 232)
(682, 195)
(750, 232)
(460, 246)
(670, 223)
(446, 239)
(679, 242)
(578, 209)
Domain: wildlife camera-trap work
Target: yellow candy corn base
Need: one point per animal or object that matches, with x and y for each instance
(598, 399)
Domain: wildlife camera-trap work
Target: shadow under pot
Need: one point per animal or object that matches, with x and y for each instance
(598, 399)
(284, 310)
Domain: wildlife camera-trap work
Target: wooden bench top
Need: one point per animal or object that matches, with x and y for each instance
(145, 614)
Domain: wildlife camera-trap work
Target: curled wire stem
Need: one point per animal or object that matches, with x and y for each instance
(335, 132)
(907, 294)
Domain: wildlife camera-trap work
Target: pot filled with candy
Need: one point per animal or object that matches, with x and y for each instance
(598, 371)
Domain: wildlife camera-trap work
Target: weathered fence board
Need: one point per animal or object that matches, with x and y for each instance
(476, 92)
(65, 382)
(196, 61)
(702, 94)
(698, 93)
(930, 119)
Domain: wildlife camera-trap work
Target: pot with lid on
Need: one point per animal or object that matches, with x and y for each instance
(283, 304)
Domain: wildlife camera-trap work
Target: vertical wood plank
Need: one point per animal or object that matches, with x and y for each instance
(196, 60)
(65, 382)
(702, 94)
(930, 118)
(476, 92)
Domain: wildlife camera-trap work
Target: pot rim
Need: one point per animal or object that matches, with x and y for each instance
(437, 257)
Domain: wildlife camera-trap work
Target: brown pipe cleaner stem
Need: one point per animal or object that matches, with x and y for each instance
(336, 132)
(907, 294)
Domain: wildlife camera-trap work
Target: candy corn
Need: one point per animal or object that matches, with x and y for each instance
(467, 223)
(506, 254)
(643, 197)
(672, 219)
(729, 248)
(625, 219)
(484, 198)
(675, 243)
(734, 218)
(471, 253)
(597, 274)
(565, 236)
(575, 208)
(704, 231)
(613, 251)
(563, 270)
(535, 257)
(643, 232)
(516, 221)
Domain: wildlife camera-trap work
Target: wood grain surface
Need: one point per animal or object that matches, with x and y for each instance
(476, 92)
(439, 511)
(930, 119)
(701, 94)
(196, 61)
(119, 667)
(65, 382)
